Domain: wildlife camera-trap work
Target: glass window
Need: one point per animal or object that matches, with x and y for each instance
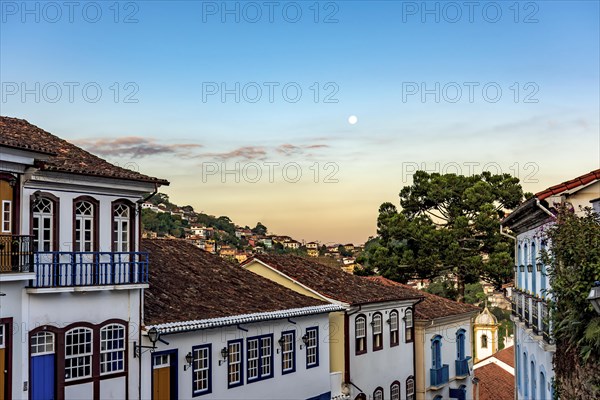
(394, 328)
(436, 353)
(42, 343)
(312, 347)
(410, 388)
(84, 226)
(121, 227)
(78, 354)
(234, 363)
(377, 332)
(201, 366)
(460, 344)
(361, 334)
(43, 225)
(408, 325)
(252, 359)
(266, 356)
(288, 352)
(259, 352)
(6, 216)
(484, 341)
(112, 349)
(395, 391)
(378, 394)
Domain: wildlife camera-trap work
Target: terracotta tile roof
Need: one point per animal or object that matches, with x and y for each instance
(570, 184)
(432, 306)
(495, 383)
(64, 156)
(187, 283)
(332, 282)
(507, 356)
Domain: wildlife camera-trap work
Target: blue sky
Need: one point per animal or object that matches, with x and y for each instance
(366, 57)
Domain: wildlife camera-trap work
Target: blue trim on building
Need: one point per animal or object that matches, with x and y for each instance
(209, 389)
(316, 364)
(293, 369)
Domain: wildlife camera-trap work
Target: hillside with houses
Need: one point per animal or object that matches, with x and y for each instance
(221, 236)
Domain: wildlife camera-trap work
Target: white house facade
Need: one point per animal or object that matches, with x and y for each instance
(71, 272)
(534, 347)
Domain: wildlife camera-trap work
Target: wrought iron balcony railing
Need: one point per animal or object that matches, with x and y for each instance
(69, 269)
(439, 376)
(16, 253)
(534, 316)
(527, 303)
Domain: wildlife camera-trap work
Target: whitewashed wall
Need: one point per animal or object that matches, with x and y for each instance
(380, 368)
(449, 352)
(543, 362)
(302, 384)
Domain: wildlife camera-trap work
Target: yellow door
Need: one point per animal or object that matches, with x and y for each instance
(161, 378)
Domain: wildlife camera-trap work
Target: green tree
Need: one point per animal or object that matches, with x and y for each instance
(448, 225)
(259, 229)
(574, 265)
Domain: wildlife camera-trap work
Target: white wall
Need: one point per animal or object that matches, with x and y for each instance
(449, 352)
(380, 368)
(543, 362)
(301, 384)
(492, 342)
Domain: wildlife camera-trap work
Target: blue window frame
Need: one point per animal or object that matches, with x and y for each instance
(235, 358)
(460, 344)
(525, 263)
(533, 376)
(259, 358)
(542, 385)
(534, 270)
(312, 347)
(201, 370)
(436, 352)
(517, 370)
(288, 352)
(543, 272)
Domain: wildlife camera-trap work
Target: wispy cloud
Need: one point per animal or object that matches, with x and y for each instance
(292, 149)
(244, 153)
(135, 147)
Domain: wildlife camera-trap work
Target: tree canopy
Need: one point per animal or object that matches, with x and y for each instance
(448, 225)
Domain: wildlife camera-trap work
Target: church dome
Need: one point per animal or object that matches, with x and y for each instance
(486, 318)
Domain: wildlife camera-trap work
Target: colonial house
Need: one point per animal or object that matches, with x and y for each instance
(312, 245)
(216, 331)
(534, 348)
(443, 345)
(72, 275)
(371, 338)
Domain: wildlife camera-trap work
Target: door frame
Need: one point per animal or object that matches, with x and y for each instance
(8, 345)
(174, 378)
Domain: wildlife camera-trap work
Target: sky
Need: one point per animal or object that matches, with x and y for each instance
(308, 115)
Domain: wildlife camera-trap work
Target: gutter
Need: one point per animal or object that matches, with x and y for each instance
(544, 209)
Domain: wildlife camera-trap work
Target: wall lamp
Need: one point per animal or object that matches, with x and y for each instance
(539, 266)
(224, 355)
(153, 336)
(188, 361)
(529, 268)
(594, 296)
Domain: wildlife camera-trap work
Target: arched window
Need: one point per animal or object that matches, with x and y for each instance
(438, 397)
(460, 344)
(112, 349)
(533, 376)
(542, 385)
(378, 394)
(43, 213)
(42, 343)
(484, 341)
(436, 352)
(534, 270)
(517, 370)
(519, 263)
(360, 333)
(85, 232)
(408, 325)
(78, 354)
(543, 272)
(525, 253)
(377, 326)
(395, 391)
(525, 378)
(394, 329)
(122, 226)
(410, 388)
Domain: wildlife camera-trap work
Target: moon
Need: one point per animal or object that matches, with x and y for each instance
(352, 120)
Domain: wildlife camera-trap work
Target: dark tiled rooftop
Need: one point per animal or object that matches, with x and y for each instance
(63, 156)
(332, 282)
(432, 306)
(187, 283)
(495, 383)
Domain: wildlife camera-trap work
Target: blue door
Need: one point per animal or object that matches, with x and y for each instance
(42, 366)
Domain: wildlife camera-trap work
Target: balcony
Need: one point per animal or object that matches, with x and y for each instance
(16, 254)
(526, 316)
(462, 368)
(89, 270)
(534, 317)
(439, 377)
